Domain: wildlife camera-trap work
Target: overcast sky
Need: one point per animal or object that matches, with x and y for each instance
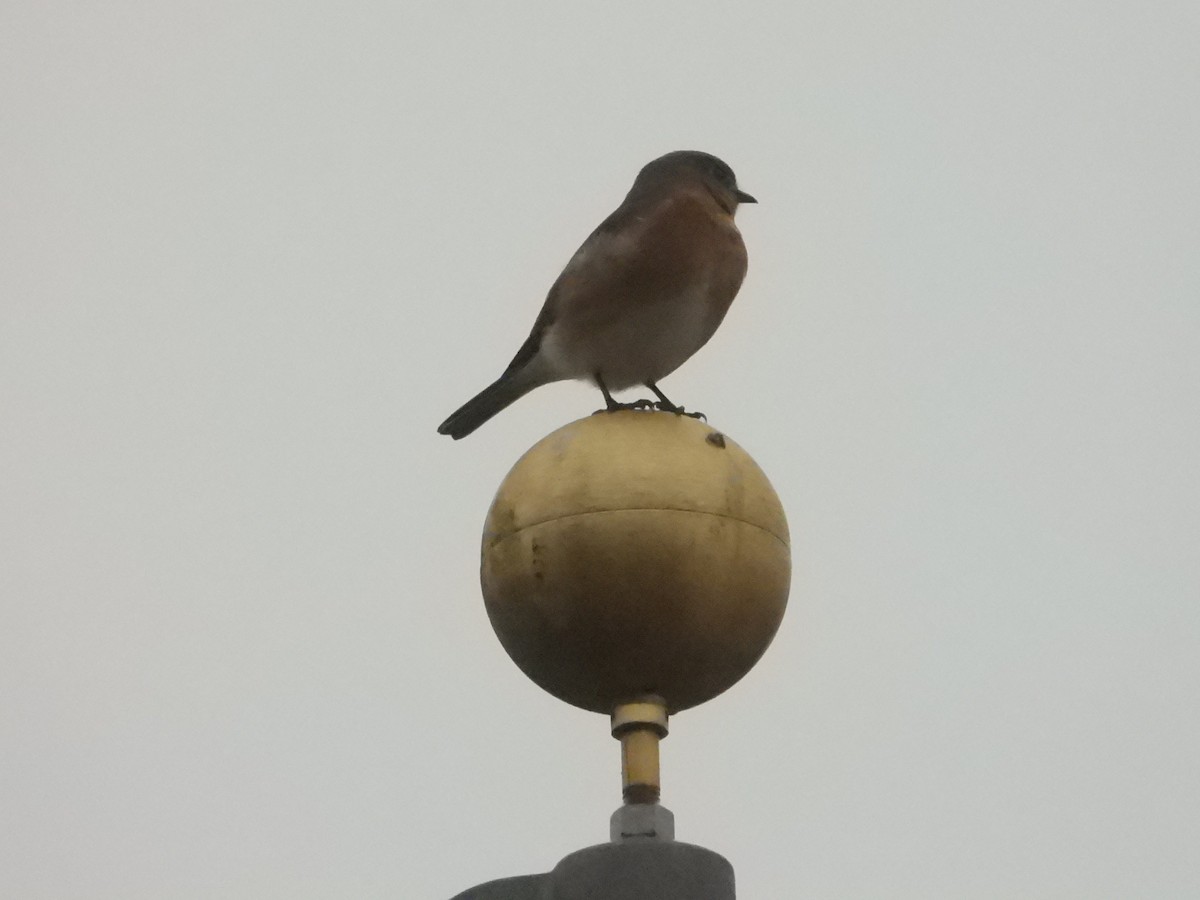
(253, 253)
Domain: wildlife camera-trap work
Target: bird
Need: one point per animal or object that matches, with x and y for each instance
(644, 292)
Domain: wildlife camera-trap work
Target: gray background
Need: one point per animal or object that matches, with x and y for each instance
(254, 252)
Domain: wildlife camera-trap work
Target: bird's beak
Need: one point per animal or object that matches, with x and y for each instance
(743, 197)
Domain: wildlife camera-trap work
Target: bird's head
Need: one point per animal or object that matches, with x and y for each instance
(692, 165)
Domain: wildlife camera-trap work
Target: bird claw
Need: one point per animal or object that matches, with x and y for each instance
(658, 405)
(619, 407)
(679, 411)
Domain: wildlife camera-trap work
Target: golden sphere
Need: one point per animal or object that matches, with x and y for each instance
(635, 553)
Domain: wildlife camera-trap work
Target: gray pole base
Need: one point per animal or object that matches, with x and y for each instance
(635, 867)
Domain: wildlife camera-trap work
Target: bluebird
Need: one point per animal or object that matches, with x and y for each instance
(645, 291)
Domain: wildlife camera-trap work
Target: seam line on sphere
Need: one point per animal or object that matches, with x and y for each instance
(668, 509)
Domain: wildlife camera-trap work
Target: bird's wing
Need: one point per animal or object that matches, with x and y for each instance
(533, 343)
(609, 262)
(595, 245)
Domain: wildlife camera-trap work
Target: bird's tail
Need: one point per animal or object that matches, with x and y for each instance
(496, 396)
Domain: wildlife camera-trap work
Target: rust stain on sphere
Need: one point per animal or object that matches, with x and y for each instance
(635, 553)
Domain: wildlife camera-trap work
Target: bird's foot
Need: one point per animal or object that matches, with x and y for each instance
(663, 406)
(618, 407)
